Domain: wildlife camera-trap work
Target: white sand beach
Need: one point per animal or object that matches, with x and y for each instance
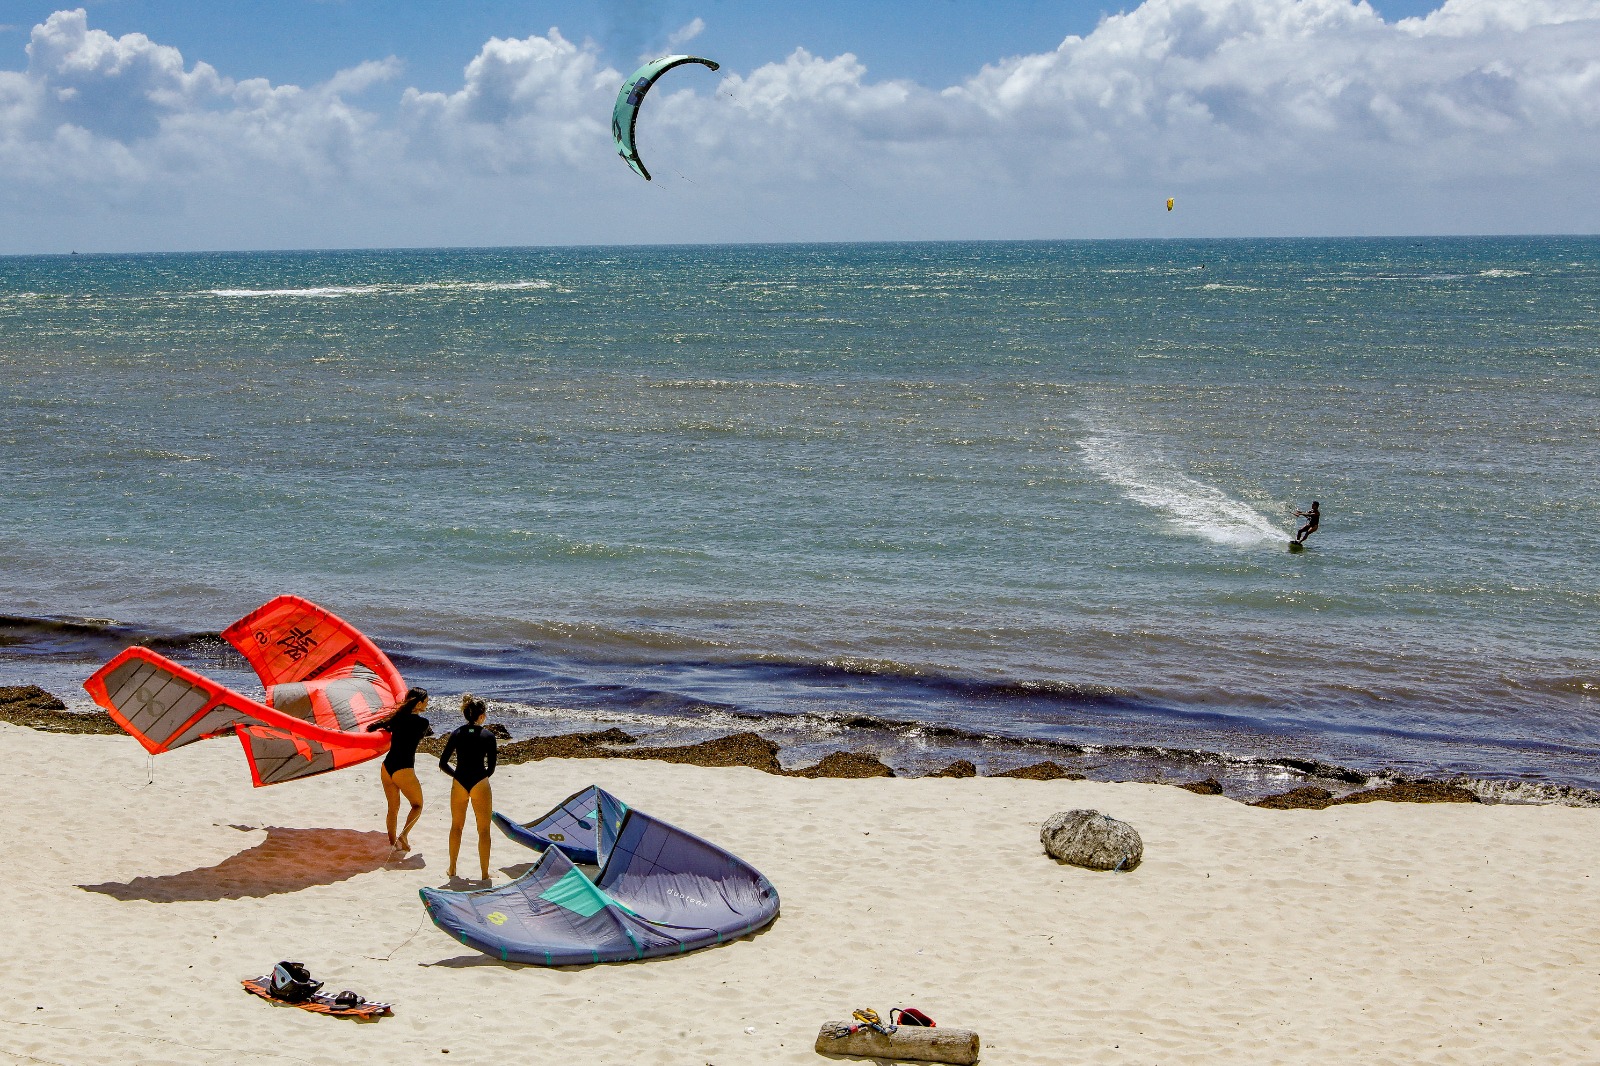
(1373, 933)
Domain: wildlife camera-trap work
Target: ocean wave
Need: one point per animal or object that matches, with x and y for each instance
(1543, 793)
(678, 700)
(315, 292)
(552, 545)
(1386, 277)
(978, 688)
(333, 291)
(728, 384)
(86, 639)
(1188, 505)
(160, 453)
(920, 747)
(1563, 686)
(1502, 272)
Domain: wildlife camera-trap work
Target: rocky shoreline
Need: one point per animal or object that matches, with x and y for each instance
(33, 707)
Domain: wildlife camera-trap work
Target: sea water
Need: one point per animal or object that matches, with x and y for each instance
(1011, 500)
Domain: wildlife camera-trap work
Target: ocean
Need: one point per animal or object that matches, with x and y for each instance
(1004, 501)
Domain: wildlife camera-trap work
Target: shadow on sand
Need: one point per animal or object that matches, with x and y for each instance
(467, 962)
(289, 860)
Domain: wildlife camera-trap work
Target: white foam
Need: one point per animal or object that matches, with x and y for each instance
(1189, 506)
(1500, 272)
(477, 286)
(321, 291)
(325, 291)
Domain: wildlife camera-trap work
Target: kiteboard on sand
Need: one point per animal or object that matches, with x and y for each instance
(318, 1002)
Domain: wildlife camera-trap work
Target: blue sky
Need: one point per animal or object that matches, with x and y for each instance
(305, 41)
(135, 124)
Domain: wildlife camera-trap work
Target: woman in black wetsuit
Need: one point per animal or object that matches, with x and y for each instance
(406, 728)
(475, 751)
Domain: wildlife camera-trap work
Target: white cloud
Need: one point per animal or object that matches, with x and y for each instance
(686, 33)
(117, 87)
(1234, 88)
(524, 104)
(1280, 114)
(1461, 18)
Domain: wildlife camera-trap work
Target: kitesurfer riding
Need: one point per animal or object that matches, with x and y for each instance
(475, 751)
(1312, 517)
(406, 728)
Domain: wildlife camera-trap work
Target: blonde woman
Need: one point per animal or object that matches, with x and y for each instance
(475, 751)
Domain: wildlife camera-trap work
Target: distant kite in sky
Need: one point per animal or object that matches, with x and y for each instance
(625, 115)
(1169, 203)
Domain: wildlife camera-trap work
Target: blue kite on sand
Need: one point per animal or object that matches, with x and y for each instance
(577, 826)
(661, 891)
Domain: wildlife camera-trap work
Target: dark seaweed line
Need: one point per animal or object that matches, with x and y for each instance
(76, 638)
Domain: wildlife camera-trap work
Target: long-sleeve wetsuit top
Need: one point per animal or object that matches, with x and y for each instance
(405, 733)
(475, 750)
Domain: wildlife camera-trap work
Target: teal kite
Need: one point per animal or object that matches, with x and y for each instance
(625, 116)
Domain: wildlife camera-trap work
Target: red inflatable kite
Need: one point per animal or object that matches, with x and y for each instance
(325, 683)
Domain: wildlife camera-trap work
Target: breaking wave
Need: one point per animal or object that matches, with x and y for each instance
(331, 291)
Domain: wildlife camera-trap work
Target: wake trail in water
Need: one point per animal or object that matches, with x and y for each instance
(1189, 506)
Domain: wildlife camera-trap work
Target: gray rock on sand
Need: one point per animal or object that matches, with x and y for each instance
(1092, 840)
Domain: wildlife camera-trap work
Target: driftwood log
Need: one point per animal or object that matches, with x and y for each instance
(907, 1042)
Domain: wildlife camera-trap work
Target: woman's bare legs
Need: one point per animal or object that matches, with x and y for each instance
(391, 796)
(458, 818)
(482, 807)
(406, 782)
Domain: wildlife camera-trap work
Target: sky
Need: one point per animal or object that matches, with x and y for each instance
(174, 125)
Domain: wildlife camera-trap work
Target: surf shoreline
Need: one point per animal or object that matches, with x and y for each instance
(917, 722)
(1303, 784)
(913, 728)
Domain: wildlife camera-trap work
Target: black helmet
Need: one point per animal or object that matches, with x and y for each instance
(292, 983)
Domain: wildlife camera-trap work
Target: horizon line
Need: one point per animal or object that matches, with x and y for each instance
(576, 246)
